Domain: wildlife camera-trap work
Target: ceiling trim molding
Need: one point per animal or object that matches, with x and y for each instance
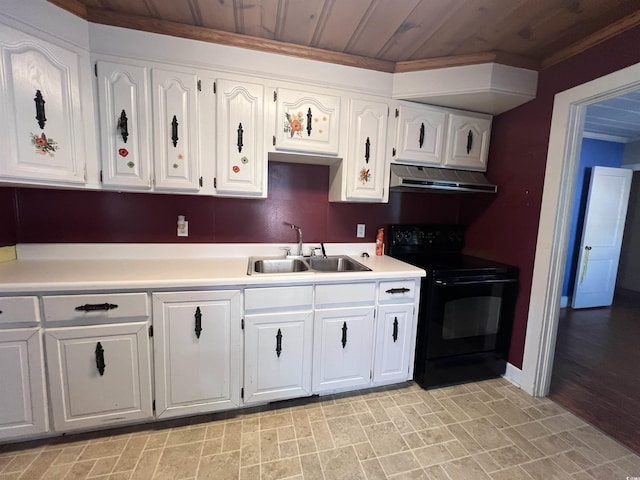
(175, 29)
(610, 31)
(73, 6)
(464, 60)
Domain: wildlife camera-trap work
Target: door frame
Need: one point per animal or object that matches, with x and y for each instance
(563, 156)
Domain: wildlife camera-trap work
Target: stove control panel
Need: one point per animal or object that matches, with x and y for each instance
(428, 237)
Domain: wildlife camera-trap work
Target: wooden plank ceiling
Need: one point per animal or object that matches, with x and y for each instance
(386, 35)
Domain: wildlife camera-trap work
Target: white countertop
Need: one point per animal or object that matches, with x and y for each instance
(90, 267)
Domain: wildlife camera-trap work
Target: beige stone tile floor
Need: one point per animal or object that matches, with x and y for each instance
(487, 430)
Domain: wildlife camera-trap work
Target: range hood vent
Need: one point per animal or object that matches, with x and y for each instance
(411, 178)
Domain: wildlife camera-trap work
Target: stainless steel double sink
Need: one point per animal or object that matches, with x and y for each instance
(330, 263)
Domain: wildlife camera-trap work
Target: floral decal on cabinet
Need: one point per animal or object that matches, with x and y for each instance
(365, 175)
(293, 124)
(44, 145)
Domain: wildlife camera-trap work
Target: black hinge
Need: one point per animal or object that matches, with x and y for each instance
(242, 393)
(215, 182)
(200, 182)
(397, 112)
(153, 405)
(275, 96)
(242, 324)
(215, 88)
(274, 140)
(151, 330)
(95, 68)
(100, 176)
(199, 85)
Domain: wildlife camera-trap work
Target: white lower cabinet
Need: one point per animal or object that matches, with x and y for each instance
(342, 348)
(196, 351)
(393, 343)
(22, 399)
(277, 362)
(99, 375)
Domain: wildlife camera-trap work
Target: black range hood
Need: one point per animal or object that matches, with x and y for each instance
(412, 178)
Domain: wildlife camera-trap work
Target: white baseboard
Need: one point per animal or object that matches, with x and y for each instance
(513, 374)
(564, 301)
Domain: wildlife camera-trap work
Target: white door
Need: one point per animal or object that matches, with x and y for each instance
(393, 343)
(420, 134)
(196, 351)
(604, 219)
(277, 361)
(342, 349)
(468, 142)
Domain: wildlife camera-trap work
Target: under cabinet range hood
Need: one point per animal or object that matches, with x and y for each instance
(412, 178)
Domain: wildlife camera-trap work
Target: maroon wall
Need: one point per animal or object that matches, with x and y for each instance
(8, 221)
(506, 229)
(297, 194)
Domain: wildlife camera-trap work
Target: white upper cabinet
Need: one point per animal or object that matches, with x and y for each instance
(365, 159)
(468, 141)
(175, 130)
(41, 125)
(125, 133)
(420, 132)
(241, 153)
(307, 122)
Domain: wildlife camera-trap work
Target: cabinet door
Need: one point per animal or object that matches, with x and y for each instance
(124, 129)
(241, 157)
(22, 401)
(41, 123)
(468, 144)
(420, 134)
(393, 343)
(342, 348)
(366, 152)
(175, 130)
(277, 349)
(307, 122)
(196, 351)
(99, 375)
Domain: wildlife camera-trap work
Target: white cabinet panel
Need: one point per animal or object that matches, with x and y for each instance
(196, 351)
(175, 130)
(307, 122)
(342, 348)
(41, 126)
(420, 134)
(393, 343)
(468, 141)
(22, 398)
(99, 375)
(125, 132)
(366, 173)
(19, 310)
(241, 154)
(277, 356)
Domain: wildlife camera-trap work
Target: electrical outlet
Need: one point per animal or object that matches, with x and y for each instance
(360, 230)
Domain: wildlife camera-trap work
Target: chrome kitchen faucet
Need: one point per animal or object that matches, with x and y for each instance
(299, 239)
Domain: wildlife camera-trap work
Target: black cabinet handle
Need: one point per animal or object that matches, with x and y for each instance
(309, 118)
(100, 358)
(40, 115)
(174, 131)
(469, 141)
(198, 317)
(393, 291)
(240, 132)
(367, 150)
(395, 329)
(421, 139)
(279, 343)
(122, 126)
(92, 307)
(344, 334)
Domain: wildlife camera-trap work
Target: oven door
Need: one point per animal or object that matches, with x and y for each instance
(469, 315)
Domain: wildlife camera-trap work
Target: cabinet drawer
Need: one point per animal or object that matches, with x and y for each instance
(112, 307)
(296, 297)
(345, 294)
(19, 310)
(397, 291)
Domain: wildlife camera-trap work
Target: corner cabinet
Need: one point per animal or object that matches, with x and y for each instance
(420, 134)
(468, 141)
(307, 122)
(42, 125)
(365, 161)
(196, 351)
(241, 167)
(125, 133)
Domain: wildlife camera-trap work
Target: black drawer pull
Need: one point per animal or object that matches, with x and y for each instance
(198, 317)
(344, 334)
(421, 136)
(100, 358)
(279, 343)
(309, 118)
(240, 135)
(40, 115)
(469, 141)
(123, 126)
(395, 329)
(174, 131)
(93, 307)
(393, 291)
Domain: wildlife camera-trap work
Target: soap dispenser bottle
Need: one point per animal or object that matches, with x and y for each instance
(380, 242)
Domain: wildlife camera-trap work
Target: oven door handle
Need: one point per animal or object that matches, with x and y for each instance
(474, 282)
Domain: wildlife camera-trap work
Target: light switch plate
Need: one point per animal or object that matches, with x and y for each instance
(360, 230)
(184, 232)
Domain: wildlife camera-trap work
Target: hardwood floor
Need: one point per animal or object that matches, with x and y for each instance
(596, 371)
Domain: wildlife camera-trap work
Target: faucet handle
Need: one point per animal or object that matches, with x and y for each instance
(286, 250)
(316, 252)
